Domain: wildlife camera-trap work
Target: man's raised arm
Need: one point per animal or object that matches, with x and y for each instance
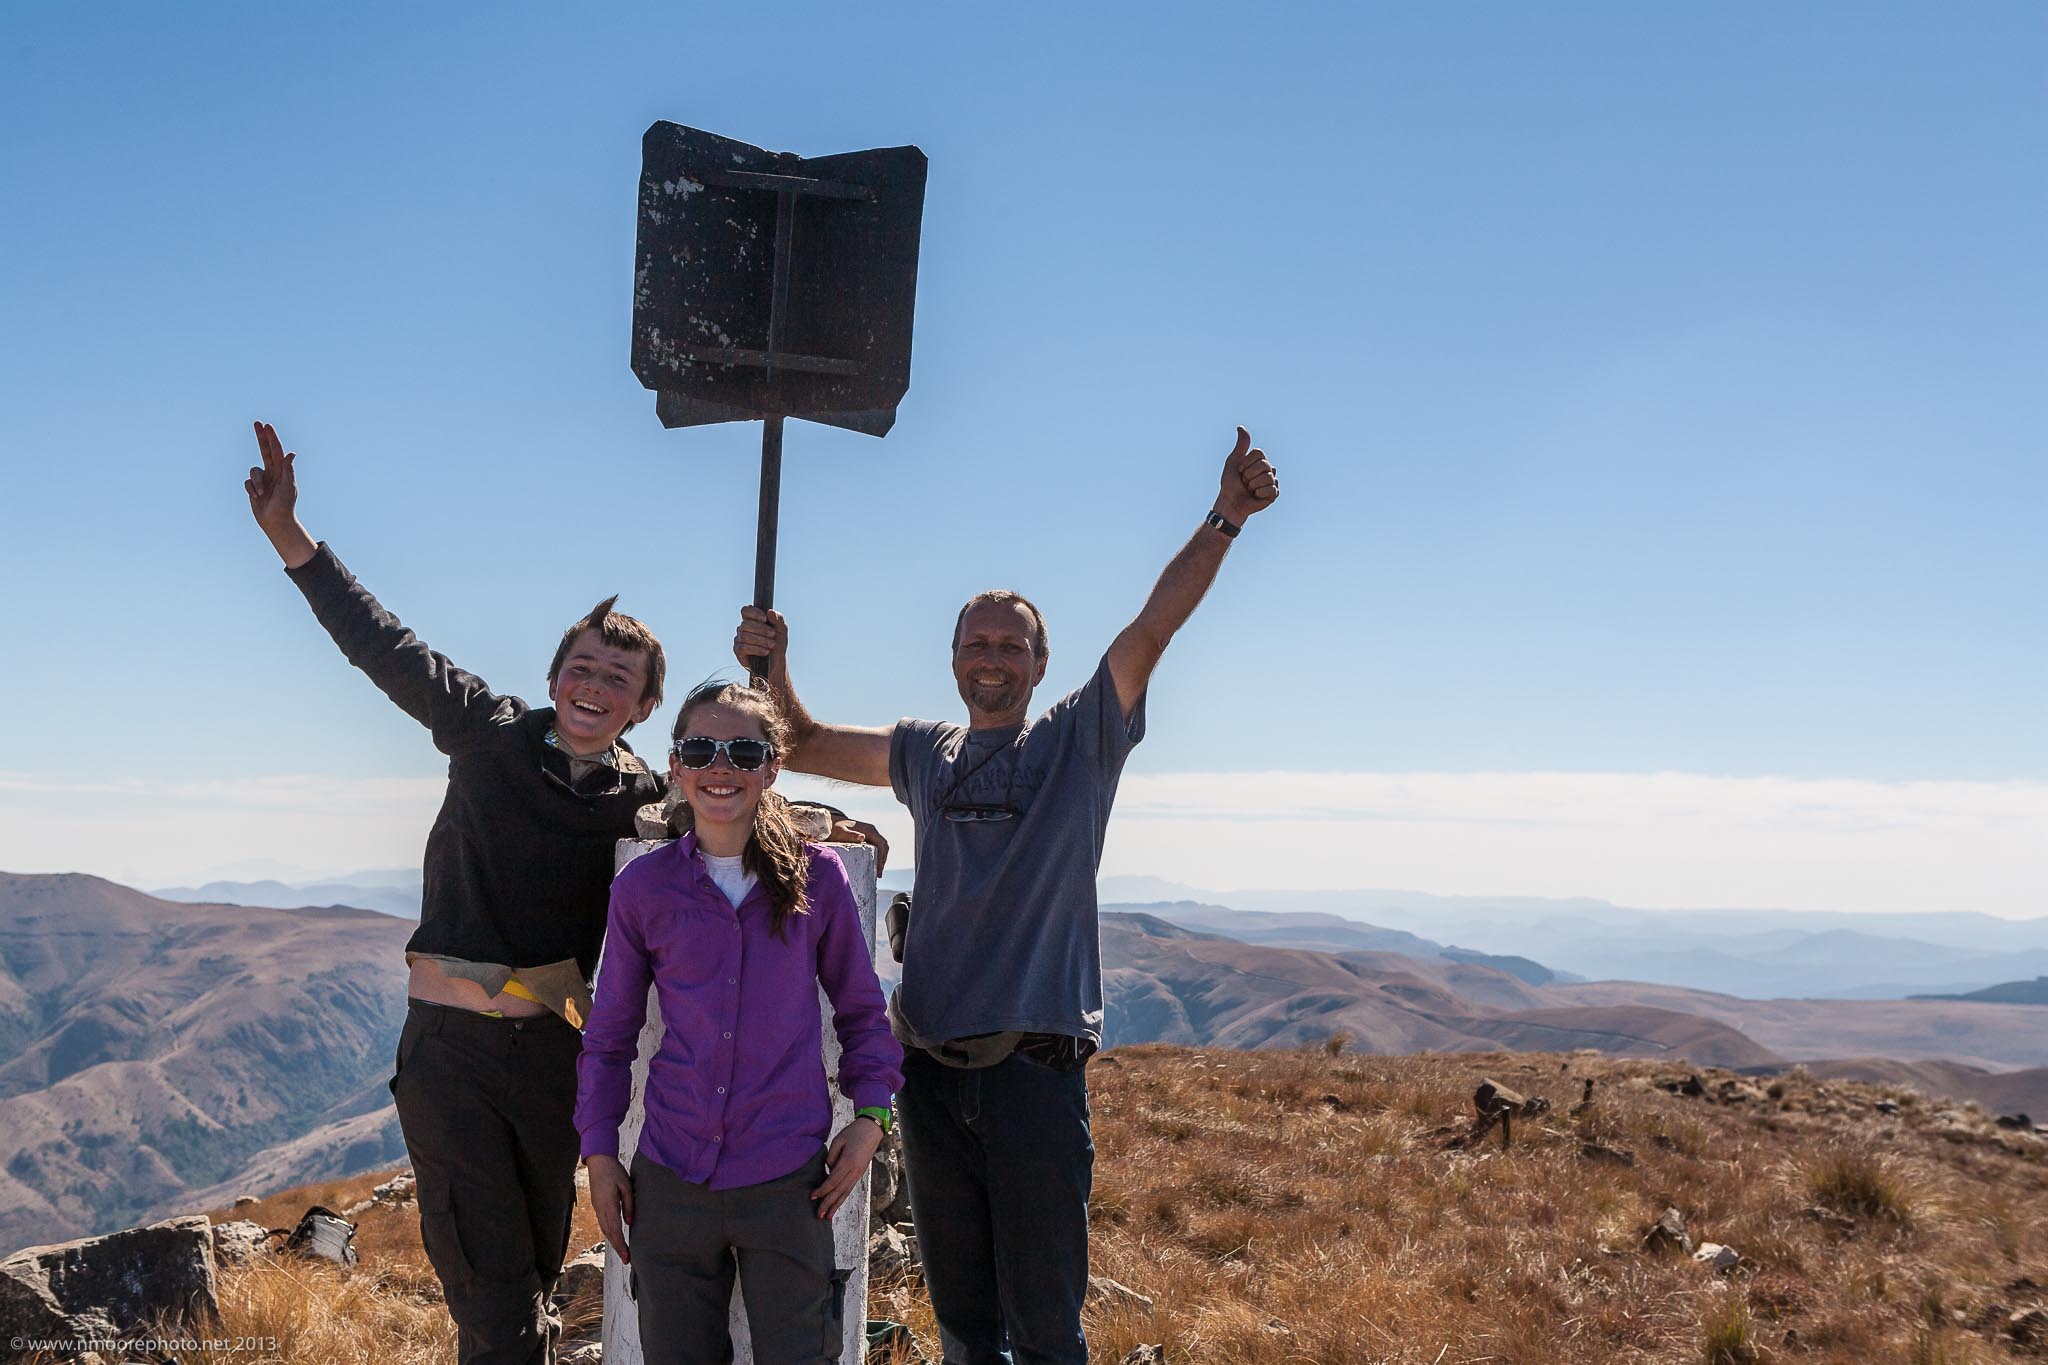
(845, 753)
(1249, 484)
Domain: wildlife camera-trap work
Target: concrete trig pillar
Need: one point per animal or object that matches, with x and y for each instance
(849, 1225)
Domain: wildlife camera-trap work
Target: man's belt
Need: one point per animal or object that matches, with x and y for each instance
(1060, 1051)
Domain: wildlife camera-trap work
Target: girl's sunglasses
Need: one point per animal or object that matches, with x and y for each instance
(745, 755)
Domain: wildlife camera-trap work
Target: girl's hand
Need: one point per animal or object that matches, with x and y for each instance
(611, 1194)
(846, 1160)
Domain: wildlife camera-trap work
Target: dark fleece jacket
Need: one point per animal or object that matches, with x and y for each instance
(519, 862)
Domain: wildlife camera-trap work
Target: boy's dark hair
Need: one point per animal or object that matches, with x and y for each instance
(1004, 597)
(619, 631)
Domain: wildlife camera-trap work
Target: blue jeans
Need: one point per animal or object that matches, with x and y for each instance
(1000, 1163)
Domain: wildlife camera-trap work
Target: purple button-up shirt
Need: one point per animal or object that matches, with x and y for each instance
(736, 1092)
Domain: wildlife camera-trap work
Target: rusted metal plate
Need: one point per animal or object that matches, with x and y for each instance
(721, 334)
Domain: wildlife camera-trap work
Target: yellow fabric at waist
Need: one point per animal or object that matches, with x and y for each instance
(515, 986)
(557, 985)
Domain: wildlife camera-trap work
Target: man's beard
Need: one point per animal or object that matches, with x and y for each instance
(998, 697)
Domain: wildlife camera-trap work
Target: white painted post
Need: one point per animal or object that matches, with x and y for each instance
(849, 1225)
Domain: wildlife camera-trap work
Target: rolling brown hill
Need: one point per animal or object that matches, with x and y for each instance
(1165, 984)
(1994, 1037)
(153, 1048)
(1999, 1092)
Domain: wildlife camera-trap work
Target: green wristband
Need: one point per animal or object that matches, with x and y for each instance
(879, 1113)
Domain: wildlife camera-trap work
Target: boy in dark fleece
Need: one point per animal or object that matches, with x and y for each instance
(517, 874)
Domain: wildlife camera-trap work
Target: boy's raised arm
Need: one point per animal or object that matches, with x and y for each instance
(424, 683)
(844, 753)
(274, 499)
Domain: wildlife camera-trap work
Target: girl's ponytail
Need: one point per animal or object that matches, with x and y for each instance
(777, 857)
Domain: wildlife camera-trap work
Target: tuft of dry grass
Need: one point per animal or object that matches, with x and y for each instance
(2010, 1221)
(1727, 1333)
(1862, 1185)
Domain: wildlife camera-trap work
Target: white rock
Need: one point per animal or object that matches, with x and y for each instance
(239, 1242)
(1718, 1258)
(397, 1190)
(1103, 1290)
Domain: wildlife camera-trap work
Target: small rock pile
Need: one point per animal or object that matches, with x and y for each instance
(1496, 1106)
(2018, 1319)
(1670, 1236)
(1726, 1090)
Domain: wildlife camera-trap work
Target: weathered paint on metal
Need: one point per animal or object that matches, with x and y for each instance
(707, 332)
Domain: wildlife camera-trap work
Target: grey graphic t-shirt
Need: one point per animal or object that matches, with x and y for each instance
(1003, 931)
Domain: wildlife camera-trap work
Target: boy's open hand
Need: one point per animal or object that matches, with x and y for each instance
(1250, 482)
(846, 1161)
(847, 830)
(611, 1194)
(274, 499)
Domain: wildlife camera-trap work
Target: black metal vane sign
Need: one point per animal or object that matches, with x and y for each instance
(768, 285)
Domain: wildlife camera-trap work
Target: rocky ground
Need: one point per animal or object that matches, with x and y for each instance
(1318, 1206)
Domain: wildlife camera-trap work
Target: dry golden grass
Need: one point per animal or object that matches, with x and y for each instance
(1301, 1208)
(1284, 1208)
(385, 1311)
(1862, 1184)
(315, 1311)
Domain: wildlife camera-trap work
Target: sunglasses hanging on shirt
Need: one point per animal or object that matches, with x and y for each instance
(986, 812)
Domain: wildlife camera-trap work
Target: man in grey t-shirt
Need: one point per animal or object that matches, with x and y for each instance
(1001, 1000)
(1009, 823)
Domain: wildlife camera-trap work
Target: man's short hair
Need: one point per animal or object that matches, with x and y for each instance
(619, 631)
(1004, 597)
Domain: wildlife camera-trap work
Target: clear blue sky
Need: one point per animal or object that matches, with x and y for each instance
(1654, 390)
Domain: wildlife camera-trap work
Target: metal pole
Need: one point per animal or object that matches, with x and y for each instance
(771, 496)
(764, 532)
(771, 423)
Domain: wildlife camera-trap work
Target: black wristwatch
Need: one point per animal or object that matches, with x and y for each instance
(1217, 521)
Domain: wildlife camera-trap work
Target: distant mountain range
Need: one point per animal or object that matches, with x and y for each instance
(2033, 992)
(1755, 954)
(387, 893)
(1331, 934)
(1171, 974)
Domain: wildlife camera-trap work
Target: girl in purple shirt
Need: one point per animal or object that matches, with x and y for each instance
(735, 925)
